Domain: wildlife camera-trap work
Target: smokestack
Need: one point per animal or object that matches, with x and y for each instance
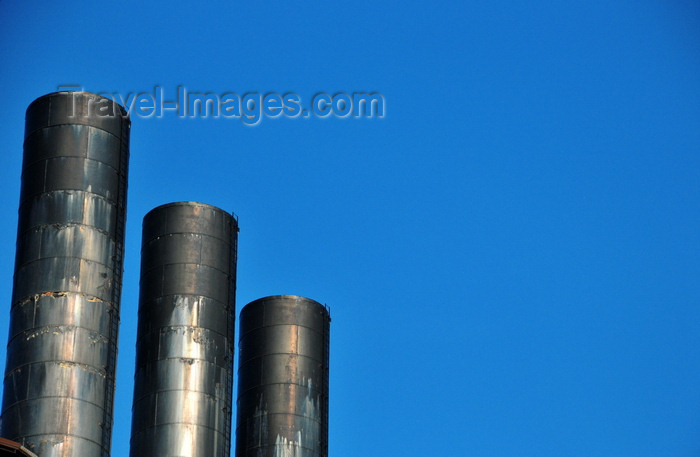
(64, 318)
(283, 378)
(184, 349)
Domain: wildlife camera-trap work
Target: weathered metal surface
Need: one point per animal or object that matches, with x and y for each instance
(64, 318)
(184, 350)
(283, 378)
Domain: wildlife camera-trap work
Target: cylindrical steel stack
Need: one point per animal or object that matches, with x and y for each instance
(184, 350)
(64, 318)
(283, 378)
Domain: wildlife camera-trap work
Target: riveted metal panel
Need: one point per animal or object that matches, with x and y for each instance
(283, 398)
(183, 310)
(182, 248)
(279, 368)
(61, 379)
(184, 351)
(184, 279)
(65, 274)
(81, 108)
(72, 140)
(189, 217)
(65, 241)
(181, 341)
(178, 440)
(69, 173)
(180, 373)
(283, 378)
(178, 407)
(58, 343)
(76, 417)
(281, 339)
(64, 316)
(60, 308)
(69, 207)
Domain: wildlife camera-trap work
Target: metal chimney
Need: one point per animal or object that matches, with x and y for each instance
(184, 349)
(64, 317)
(283, 378)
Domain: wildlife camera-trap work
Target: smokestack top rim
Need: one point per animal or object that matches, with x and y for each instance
(300, 298)
(285, 296)
(191, 203)
(73, 93)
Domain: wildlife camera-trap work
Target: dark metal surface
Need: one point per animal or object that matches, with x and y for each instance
(184, 350)
(64, 318)
(283, 378)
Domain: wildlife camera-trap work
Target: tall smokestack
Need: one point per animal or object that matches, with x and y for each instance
(283, 378)
(184, 350)
(64, 318)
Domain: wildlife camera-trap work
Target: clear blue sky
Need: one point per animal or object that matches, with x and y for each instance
(510, 255)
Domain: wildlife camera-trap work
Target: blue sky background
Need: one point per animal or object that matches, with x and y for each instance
(511, 255)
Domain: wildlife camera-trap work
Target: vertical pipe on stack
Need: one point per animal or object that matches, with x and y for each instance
(283, 378)
(64, 318)
(184, 350)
